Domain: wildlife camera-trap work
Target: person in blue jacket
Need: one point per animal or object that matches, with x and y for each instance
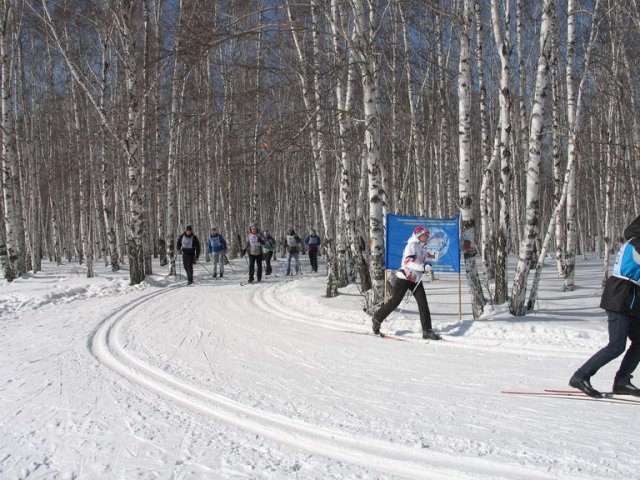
(217, 246)
(312, 244)
(621, 300)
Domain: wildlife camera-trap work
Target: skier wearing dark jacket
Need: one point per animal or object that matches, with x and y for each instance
(253, 247)
(621, 301)
(189, 246)
(312, 243)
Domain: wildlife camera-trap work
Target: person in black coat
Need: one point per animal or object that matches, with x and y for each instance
(621, 300)
(312, 244)
(189, 246)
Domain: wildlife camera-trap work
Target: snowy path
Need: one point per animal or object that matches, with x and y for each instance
(263, 381)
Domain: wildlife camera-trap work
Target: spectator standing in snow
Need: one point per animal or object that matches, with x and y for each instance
(292, 240)
(253, 247)
(312, 243)
(189, 246)
(217, 246)
(621, 300)
(416, 260)
(269, 249)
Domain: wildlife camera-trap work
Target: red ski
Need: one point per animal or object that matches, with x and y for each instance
(572, 395)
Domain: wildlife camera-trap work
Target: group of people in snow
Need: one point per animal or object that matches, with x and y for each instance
(620, 298)
(260, 246)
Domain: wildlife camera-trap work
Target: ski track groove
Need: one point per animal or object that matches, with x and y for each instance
(264, 299)
(370, 453)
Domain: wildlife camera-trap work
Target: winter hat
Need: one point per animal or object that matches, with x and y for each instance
(419, 231)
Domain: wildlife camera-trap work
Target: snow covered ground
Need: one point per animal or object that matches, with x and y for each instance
(100, 380)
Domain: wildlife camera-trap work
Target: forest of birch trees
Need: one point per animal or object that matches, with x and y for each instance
(125, 120)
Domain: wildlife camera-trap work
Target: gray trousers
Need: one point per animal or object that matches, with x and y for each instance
(218, 259)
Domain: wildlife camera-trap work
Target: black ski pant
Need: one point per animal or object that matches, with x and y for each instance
(188, 259)
(399, 290)
(621, 327)
(253, 259)
(267, 261)
(313, 258)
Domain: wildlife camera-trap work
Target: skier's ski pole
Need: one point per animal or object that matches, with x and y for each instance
(202, 264)
(404, 304)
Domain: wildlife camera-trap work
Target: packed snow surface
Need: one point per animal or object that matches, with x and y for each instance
(220, 380)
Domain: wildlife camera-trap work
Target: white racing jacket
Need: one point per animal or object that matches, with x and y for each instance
(414, 257)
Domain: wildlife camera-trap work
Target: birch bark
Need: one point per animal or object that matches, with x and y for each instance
(530, 233)
(369, 63)
(8, 248)
(574, 113)
(464, 179)
(502, 237)
(171, 207)
(124, 18)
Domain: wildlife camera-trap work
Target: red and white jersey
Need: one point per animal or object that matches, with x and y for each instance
(414, 258)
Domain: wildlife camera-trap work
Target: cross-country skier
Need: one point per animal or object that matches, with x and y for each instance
(312, 243)
(621, 301)
(253, 247)
(416, 260)
(269, 249)
(292, 240)
(217, 245)
(189, 246)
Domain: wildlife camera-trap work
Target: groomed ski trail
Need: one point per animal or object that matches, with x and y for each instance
(107, 347)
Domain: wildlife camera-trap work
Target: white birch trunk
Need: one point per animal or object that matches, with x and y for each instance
(344, 92)
(311, 94)
(369, 64)
(530, 233)
(574, 112)
(610, 168)
(132, 138)
(85, 250)
(172, 180)
(556, 153)
(504, 49)
(464, 180)
(8, 251)
(412, 147)
(488, 164)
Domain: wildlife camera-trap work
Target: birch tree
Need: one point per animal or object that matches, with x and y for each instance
(502, 236)
(532, 219)
(366, 28)
(464, 181)
(171, 207)
(8, 247)
(574, 112)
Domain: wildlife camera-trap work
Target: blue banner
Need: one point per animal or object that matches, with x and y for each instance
(444, 241)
